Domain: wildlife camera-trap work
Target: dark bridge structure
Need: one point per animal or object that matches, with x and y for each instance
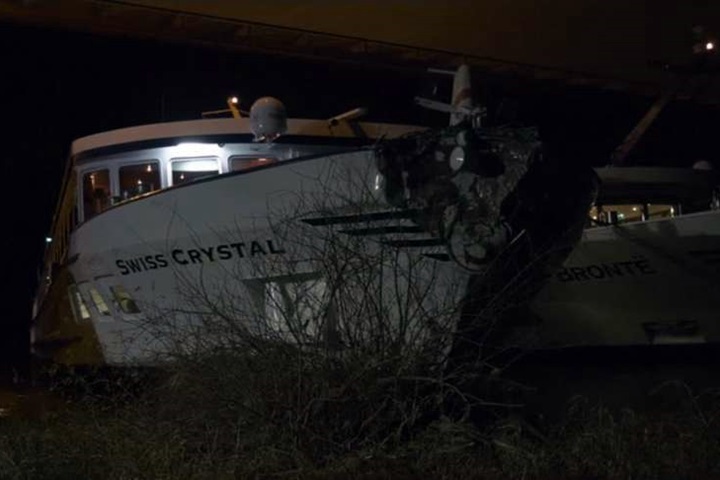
(615, 44)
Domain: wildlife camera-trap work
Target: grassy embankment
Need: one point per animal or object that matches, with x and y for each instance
(287, 415)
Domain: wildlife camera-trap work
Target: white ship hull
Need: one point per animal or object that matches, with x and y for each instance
(188, 249)
(201, 250)
(650, 282)
(309, 239)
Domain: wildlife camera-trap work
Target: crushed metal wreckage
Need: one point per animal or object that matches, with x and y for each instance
(483, 190)
(507, 210)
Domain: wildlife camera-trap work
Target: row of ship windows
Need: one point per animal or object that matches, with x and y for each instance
(142, 178)
(629, 213)
(121, 300)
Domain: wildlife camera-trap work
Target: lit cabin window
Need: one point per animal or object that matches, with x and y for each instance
(96, 192)
(80, 310)
(98, 301)
(189, 169)
(123, 300)
(238, 164)
(138, 179)
(661, 211)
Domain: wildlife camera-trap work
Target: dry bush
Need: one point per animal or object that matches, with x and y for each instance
(179, 431)
(339, 345)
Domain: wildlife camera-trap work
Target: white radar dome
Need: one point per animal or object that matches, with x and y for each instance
(268, 119)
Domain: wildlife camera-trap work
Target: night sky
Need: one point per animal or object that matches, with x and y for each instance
(59, 85)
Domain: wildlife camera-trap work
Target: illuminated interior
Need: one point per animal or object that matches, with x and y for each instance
(99, 302)
(138, 179)
(79, 308)
(187, 170)
(96, 192)
(241, 163)
(123, 300)
(628, 213)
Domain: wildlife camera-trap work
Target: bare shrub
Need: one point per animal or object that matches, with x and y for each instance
(337, 345)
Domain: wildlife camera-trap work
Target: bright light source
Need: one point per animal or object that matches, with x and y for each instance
(634, 209)
(48, 239)
(457, 158)
(709, 46)
(234, 100)
(197, 165)
(149, 169)
(196, 149)
(378, 181)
